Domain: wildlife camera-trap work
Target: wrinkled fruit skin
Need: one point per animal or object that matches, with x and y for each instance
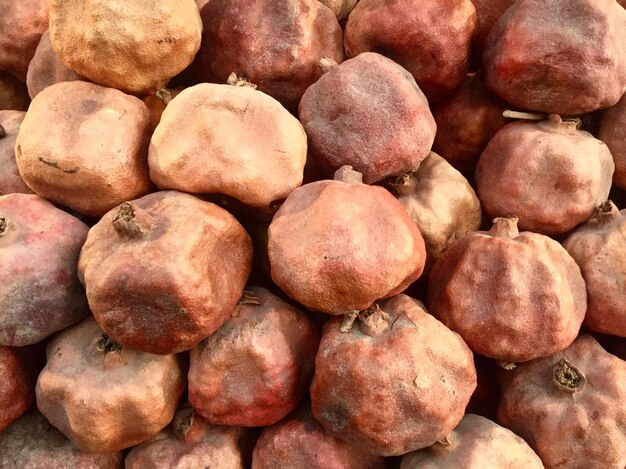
(441, 202)
(563, 57)
(280, 55)
(21, 25)
(338, 246)
(613, 133)
(138, 47)
(10, 179)
(375, 102)
(190, 443)
(301, 442)
(273, 345)
(476, 443)
(599, 250)
(398, 381)
(548, 174)
(434, 51)
(586, 422)
(165, 271)
(91, 153)
(511, 296)
(238, 141)
(31, 442)
(46, 68)
(13, 93)
(105, 397)
(16, 390)
(466, 122)
(40, 294)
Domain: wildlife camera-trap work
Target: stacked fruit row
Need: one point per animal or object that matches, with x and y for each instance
(287, 234)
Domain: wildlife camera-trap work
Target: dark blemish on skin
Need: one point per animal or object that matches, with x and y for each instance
(3, 226)
(55, 165)
(3, 133)
(166, 39)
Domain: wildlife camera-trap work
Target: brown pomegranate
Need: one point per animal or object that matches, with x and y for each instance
(512, 296)
(441, 202)
(104, 396)
(613, 132)
(299, 441)
(238, 141)
(39, 246)
(569, 407)
(430, 38)
(599, 250)
(273, 345)
(534, 53)
(375, 102)
(32, 443)
(22, 23)
(13, 93)
(275, 44)
(135, 47)
(16, 389)
(190, 443)
(10, 179)
(46, 68)
(164, 271)
(466, 122)
(476, 443)
(395, 381)
(91, 153)
(549, 174)
(337, 246)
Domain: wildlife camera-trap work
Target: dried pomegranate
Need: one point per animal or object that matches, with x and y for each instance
(40, 293)
(138, 46)
(10, 179)
(431, 38)
(299, 441)
(549, 174)
(104, 396)
(441, 202)
(32, 443)
(534, 53)
(280, 54)
(370, 114)
(466, 122)
(16, 392)
(91, 153)
(238, 141)
(337, 246)
(46, 68)
(613, 132)
(512, 296)
(22, 23)
(165, 271)
(190, 443)
(476, 443)
(599, 250)
(273, 345)
(396, 381)
(569, 407)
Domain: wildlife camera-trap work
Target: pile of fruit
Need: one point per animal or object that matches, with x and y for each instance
(313, 235)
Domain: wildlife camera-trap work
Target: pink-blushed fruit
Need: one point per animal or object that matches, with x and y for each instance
(613, 132)
(40, 293)
(10, 179)
(368, 113)
(16, 392)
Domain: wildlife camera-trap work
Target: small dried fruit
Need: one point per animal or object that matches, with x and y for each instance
(10, 179)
